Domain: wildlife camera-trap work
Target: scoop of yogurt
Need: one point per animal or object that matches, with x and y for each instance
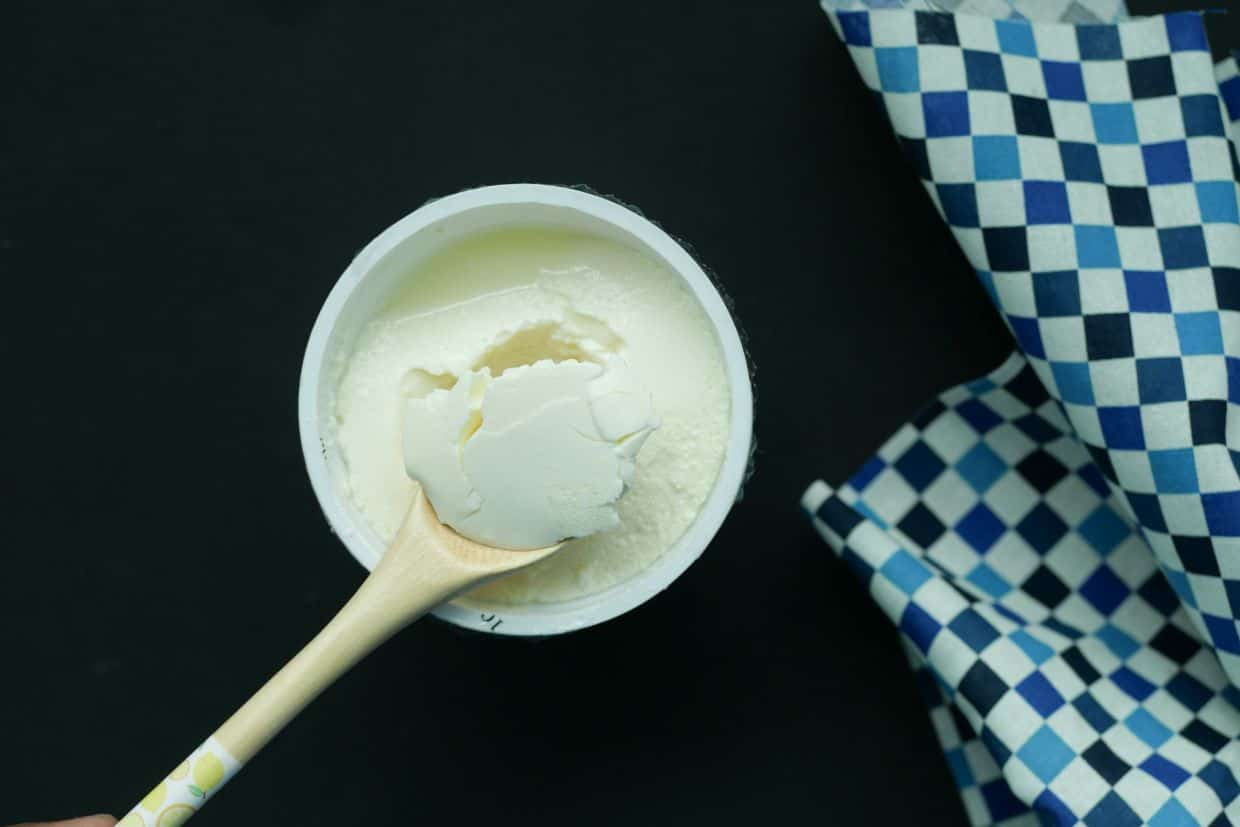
(529, 458)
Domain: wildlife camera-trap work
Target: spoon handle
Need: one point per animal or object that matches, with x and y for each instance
(382, 606)
(186, 788)
(426, 564)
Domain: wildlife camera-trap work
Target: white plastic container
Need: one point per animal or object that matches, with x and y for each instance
(374, 275)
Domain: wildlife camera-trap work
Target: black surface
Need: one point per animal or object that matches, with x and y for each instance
(181, 187)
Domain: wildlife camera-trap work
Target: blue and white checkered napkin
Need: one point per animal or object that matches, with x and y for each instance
(1059, 542)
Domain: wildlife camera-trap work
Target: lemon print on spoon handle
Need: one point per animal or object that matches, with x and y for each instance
(186, 788)
(426, 565)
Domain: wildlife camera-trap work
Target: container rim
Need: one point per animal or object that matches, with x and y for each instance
(538, 619)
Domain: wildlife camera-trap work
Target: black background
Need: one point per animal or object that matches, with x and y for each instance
(182, 186)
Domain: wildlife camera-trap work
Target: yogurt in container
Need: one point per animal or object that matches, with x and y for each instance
(452, 319)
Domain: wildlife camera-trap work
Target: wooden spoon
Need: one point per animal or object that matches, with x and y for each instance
(427, 564)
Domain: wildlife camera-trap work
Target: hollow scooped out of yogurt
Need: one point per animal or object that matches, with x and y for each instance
(484, 319)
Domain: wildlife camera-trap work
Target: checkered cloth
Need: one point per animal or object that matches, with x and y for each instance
(1059, 542)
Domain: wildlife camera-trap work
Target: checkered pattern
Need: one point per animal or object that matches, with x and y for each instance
(1062, 11)
(1058, 540)
(1059, 665)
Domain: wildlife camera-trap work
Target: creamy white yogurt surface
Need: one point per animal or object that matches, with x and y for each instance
(511, 298)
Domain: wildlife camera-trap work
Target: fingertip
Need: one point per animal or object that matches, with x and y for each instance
(101, 820)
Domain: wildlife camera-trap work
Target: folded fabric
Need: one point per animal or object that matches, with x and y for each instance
(1059, 542)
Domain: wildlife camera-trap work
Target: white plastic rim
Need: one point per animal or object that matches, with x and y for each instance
(388, 260)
